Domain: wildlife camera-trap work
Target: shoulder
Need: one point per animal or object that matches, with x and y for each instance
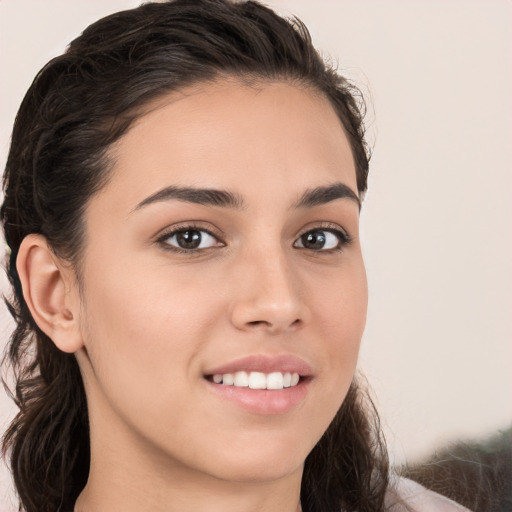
(405, 495)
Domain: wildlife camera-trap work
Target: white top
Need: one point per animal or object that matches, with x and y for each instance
(408, 496)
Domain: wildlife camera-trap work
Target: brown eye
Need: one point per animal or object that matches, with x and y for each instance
(313, 240)
(190, 239)
(322, 240)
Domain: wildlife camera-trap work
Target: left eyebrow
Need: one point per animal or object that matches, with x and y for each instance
(322, 195)
(203, 196)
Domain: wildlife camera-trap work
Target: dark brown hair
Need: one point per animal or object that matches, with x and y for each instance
(78, 105)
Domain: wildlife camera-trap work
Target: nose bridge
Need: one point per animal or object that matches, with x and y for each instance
(269, 292)
(274, 277)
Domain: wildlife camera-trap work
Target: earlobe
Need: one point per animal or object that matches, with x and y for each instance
(49, 293)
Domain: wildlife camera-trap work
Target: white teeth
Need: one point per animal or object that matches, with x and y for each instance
(275, 380)
(241, 379)
(258, 380)
(228, 379)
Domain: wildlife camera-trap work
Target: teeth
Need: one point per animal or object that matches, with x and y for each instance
(241, 379)
(275, 380)
(228, 379)
(258, 380)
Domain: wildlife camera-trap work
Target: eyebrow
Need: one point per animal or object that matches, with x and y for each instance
(224, 198)
(203, 196)
(322, 195)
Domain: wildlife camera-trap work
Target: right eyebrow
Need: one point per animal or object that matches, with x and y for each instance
(203, 196)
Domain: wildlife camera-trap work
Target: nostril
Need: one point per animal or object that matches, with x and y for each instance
(258, 322)
(273, 327)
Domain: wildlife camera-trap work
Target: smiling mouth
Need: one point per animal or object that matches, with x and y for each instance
(257, 380)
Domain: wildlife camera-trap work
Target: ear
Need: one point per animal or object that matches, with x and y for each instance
(50, 291)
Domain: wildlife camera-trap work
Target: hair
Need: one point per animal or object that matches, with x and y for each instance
(79, 104)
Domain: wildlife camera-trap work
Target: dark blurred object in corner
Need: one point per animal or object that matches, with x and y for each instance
(477, 475)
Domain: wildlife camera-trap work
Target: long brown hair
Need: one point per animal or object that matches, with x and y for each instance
(77, 106)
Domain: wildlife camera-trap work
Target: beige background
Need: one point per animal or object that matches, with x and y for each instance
(437, 221)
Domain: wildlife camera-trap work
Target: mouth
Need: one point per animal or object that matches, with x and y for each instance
(262, 384)
(257, 380)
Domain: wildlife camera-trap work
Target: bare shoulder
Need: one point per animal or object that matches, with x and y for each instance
(406, 495)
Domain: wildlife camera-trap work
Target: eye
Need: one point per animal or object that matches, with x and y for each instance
(189, 238)
(323, 240)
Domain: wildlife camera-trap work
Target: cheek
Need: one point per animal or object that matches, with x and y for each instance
(146, 335)
(144, 330)
(341, 304)
(341, 313)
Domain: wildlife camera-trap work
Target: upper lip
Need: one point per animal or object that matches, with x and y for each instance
(265, 364)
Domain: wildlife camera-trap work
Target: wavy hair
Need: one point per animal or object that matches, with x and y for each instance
(79, 104)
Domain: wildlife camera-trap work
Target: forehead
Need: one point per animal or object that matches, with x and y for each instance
(234, 136)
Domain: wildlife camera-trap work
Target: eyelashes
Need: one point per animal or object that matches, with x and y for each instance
(190, 239)
(322, 239)
(194, 239)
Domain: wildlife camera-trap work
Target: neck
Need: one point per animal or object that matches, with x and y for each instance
(120, 497)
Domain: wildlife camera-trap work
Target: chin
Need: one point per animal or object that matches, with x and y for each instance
(261, 460)
(269, 470)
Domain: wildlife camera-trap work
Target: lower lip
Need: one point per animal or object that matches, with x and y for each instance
(263, 401)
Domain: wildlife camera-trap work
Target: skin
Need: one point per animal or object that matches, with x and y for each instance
(148, 321)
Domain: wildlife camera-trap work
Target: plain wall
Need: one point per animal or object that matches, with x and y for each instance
(437, 220)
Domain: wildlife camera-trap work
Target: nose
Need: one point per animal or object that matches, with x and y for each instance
(269, 295)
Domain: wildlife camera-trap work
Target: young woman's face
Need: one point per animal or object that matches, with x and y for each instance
(225, 242)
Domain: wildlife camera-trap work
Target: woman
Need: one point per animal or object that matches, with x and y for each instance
(182, 201)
